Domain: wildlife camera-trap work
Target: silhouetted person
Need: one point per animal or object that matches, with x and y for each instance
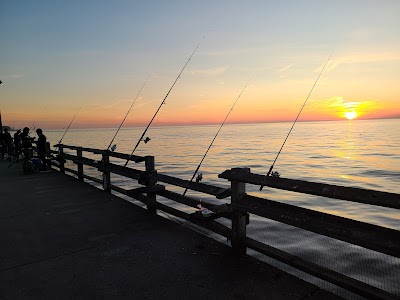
(17, 142)
(8, 142)
(41, 147)
(26, 140)
(2, 146)
(26, 149)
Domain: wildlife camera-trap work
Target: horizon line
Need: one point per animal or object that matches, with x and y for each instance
(215, 123)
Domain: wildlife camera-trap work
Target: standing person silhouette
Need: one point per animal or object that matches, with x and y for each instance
(41, 147)
(8, 142)
(26, 149)
(17, 142)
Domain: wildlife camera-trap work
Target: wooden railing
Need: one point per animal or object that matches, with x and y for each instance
(369, 236)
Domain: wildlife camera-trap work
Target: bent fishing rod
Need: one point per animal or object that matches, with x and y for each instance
(200, 177)
(133, 103)
(69, 125)
(284, 142)
(163, 102)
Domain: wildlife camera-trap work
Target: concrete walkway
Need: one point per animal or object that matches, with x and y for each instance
(64, 239)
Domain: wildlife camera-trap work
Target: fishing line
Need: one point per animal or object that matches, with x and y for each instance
(41, 119)
(69, 125)
(272, 166)
(200, 177)
(127, 114)
(147, 139)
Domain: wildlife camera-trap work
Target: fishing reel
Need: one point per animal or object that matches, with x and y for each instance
(275, 174)
(146, 140)
(199, 177)
(113, 147)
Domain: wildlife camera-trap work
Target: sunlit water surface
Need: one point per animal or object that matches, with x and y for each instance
(358, 153)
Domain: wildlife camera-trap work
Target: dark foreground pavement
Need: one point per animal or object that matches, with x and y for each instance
(64, 239)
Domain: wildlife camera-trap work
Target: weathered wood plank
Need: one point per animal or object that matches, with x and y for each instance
(219, 210)
(92, 150)
(150, 182)
(359, 195)
(81, 160)
(119, 189)
(136, 196)
(106, 176)
(195, 186)
(184, 199)
(134, 158)
(211, 225)
(348, 283)
(147, 189)
(92, 178)
(123, 171)
(239, 218)
(55, 164)
(139, 197)
(71, 171)
(79, 163)
(124, 156)
(381, 239)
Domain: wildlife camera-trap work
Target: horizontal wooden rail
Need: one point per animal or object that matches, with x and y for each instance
(92, 178)
(95, 151)
(134, 158)
(123, 171)
(124, 156)
(366, 235)
(72, 171)
(218, 192)
(184, 199)
(211, 225)
(136, 196)
(81, 160)
(359, 195)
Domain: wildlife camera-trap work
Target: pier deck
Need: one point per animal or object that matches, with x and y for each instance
(61, 239)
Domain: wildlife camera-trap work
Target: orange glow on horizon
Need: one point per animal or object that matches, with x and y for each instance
(249, 110)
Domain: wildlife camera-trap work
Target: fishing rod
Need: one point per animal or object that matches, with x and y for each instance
(200, 176)
(147, 139)
(113, 147)
(69, 124)
(272, 166)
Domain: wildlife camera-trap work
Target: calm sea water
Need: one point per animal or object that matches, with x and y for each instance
(358, 153)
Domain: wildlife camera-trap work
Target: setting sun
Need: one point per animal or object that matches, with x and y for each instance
(350, 115)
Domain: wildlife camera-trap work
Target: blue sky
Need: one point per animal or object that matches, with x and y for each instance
(60, 54)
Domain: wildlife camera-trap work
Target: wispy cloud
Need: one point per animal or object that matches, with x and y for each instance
(107, 106)
(359, 58)
(285, 68)
(226, 52)
(211, 72)
(13, 76)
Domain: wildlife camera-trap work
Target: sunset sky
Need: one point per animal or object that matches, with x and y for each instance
(57, 56)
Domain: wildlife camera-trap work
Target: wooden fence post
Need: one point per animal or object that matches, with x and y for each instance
(79, 164)
(61, 159)
(106, 174)
(150, 169)
(239, 219)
